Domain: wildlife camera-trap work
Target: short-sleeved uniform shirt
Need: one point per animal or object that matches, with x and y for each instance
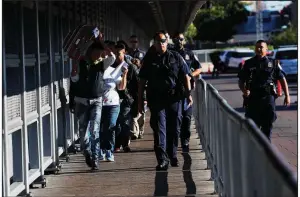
(139, 54)
(157, 71)
(190, 58)
(260, 71)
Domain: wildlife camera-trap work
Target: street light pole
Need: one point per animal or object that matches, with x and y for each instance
(259, 20)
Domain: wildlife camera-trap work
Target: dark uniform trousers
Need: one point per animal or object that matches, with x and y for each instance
(123, 125)
(259, 75)
(261, 109)
(165, 122)
(185, 133)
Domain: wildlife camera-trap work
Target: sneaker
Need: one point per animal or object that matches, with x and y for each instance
(102, 155)
(141, 136)
(110, 156)
(126, 149)
(95, 166)
(117, 150)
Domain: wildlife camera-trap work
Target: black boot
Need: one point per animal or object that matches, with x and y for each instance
(163, 166)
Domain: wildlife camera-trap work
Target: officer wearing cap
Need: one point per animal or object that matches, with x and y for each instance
(166, 74)
(257, 82)
(195, 69)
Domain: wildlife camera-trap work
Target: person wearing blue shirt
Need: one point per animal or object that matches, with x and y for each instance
(257, 82)
(134, 51)
(168, 81)
(195, 69)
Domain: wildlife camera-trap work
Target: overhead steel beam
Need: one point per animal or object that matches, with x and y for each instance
(198, 4)
(157, 13)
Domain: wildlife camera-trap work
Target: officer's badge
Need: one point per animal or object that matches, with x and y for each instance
(187, 57)
(141, 55)
(270, 65)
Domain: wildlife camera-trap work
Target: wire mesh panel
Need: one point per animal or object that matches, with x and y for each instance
(12, 47)
(56, 65)
(44, 58)
(13, 106)
(30, 44)
(66, 66)
(66, 83)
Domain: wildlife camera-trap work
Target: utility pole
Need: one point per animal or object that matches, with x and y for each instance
(259, 20)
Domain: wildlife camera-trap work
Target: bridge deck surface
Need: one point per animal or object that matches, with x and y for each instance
(133, 174)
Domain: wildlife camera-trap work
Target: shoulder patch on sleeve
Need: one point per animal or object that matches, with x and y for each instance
(196, 58)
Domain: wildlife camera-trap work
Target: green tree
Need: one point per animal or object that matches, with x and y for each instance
(191, 31)
(288, 37)
(218, 23)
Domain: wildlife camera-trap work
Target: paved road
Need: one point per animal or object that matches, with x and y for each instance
(285, 134)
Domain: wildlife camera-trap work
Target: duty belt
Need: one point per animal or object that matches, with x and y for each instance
(262, 91)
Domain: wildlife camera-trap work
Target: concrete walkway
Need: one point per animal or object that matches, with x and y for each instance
(133, 174)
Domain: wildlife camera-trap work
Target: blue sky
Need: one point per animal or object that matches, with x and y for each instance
(270, 5)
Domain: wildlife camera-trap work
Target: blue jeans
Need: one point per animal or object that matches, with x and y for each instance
(89, 127)
(109, 120)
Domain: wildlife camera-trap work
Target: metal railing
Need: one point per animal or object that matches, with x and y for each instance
(242, 160)
(37, 125)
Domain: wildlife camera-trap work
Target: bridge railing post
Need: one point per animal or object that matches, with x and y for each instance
(242, 160)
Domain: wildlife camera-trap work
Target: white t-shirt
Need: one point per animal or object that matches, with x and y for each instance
(111, 96)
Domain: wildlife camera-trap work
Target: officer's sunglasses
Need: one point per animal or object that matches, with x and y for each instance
(161, 41)
(134, 41)
(178, 39)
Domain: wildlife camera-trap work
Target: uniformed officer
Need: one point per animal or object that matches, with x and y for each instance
(169, 46)
(134, 51)
(168, 81)
(139, 118)
(195, 69)
(257, 82)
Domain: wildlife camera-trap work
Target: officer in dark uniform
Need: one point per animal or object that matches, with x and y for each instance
(166, 74)
(195, 69)
(134, 51)
(169, 46)
(257, 82)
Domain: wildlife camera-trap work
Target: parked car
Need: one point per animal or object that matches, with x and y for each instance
(288, 58)
(226, 56)
(239, 56)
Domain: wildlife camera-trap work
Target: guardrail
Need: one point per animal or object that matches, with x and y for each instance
(37, 125)
(242, 160)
